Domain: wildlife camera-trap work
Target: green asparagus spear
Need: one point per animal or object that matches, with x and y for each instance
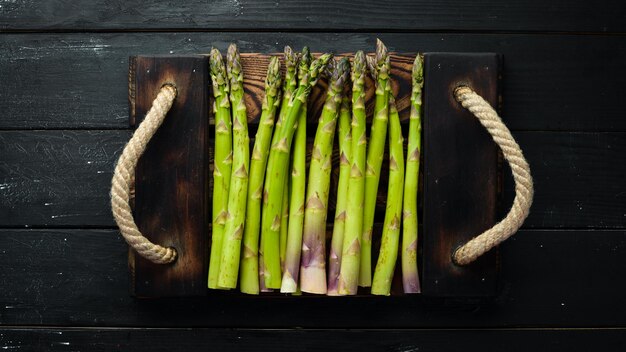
(313, 276)
(297, 179)
(238, 192)
(222, 161)
(297, 186)
(345, 155)
(379, 68)
(393, 213)
(290, 84)
(284, 223)
(276, 174)
(410, 277)
(349, 272)
(249, 281)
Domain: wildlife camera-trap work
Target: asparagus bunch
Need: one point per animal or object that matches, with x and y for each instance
(351, 251)
(276, 174)
(379, 68)
(391, 227)
(313, 279)
(249, 281)
(222, 160)
(410, 277)
(238, 191)
(345, 155)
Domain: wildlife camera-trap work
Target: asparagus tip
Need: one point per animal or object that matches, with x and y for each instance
(381, 52)
(233, 66)
(273, 78)
(359, 64)
(291, 58)
(340, 73)
(418, 70)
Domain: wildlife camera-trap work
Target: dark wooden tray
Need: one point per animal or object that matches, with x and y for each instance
(459, 189)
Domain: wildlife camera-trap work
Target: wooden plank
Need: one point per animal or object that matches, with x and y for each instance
(142, 339)
(172, 177)
(62, 178)
(460, 174)
(79, 277)
(528, 15)
(78, 81)
(58, 178)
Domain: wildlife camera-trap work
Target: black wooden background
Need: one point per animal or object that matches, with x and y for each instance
(64, 120)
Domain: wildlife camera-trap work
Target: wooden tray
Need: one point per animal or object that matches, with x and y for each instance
(459, 189)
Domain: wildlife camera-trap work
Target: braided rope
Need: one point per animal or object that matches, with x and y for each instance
(521, 174)
(123, 178)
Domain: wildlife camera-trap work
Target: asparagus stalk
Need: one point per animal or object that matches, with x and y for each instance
(313, 279)
(393, 212)
(297, 184)
(350, 258)
(238, 192)
(345, 155)
(222, 160)
(289, 87)
(249, 281)
(284, 224)
(379, 68)
(276, 174)
(292, 232)
(410, 277)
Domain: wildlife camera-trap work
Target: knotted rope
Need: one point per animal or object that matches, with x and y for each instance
(123, 178)
(521, 174)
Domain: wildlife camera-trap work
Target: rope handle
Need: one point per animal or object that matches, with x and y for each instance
(501, 231)
(123, 179)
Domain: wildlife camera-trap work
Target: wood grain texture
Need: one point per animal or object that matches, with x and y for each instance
(79, 81)
(460, 174)
(240, 340)
(171, 203)
(79, 277)
(385, 15)
(62, 178)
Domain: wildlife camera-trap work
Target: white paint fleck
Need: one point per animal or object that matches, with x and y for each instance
(171, 51)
